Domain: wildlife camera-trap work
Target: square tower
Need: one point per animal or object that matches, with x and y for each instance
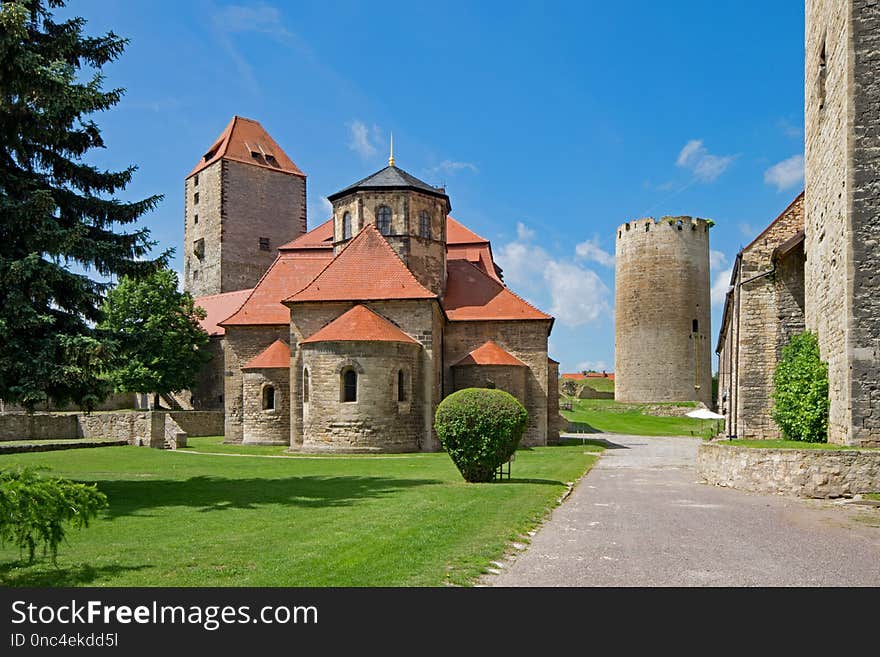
(841, 206)
(243, 200)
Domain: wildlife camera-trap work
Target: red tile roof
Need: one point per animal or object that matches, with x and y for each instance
(276, 354)
(219, 307)
(317, 238)
(471, 294)
(367, 268)
(360, 324)
(490, 353)
(457, 233)
(289, 273)
(239, 140)
(579, 376)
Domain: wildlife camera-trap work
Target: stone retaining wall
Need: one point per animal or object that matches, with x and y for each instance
(798, 472)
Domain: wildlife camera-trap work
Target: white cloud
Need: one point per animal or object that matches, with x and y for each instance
(523, 232)
(717, 259)
(791, 130)
(720, 286)
(590, 250)
(577, 295)
(361, 142)
(450, 166)
(786, 174)
(261, 18)
(747, 230)
(594, 365)
(705, 166)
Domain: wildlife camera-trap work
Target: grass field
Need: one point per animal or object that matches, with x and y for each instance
(602, 385)
(609, 416)
(188, 519)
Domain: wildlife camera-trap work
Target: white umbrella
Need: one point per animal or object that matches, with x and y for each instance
(704, 414)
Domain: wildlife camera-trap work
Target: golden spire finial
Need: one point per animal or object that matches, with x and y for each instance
(391, 157)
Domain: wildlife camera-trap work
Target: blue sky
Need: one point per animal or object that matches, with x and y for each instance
(549, 123)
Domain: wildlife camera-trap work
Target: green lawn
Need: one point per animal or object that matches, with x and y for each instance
(186, 519)
(602, 385)
(609, 416)
(788, 444)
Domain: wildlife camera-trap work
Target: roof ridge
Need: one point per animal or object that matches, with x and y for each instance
(399, 259)
(503, 286)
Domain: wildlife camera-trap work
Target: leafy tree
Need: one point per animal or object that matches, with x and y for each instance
(800, 394)
(480, 428)
(34, 509)
(159, 344)
(56, 210)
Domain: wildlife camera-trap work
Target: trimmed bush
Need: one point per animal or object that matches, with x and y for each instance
(480, 429)
(33, 509)
(800, 391)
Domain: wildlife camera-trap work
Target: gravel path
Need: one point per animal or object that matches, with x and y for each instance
(641, 518)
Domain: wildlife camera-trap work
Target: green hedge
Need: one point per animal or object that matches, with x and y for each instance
(800, 390)
(480, 428)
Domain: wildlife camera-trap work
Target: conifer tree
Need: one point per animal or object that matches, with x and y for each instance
(58, 213)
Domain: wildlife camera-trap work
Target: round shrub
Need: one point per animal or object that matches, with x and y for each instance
(480, 429)
(800, 390)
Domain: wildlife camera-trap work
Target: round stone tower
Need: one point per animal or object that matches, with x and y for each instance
(662, 311)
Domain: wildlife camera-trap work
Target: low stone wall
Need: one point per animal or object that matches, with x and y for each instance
(133, 427)
(37, 426)
(798, 472)
(199, 423)
(49, 446)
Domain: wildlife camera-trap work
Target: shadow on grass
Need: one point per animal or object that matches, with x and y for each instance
(42, 573)
(596, 442)
(520, 480)
(210, 494)
(582, 427)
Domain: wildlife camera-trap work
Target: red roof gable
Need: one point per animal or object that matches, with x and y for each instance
(360, 324)
(471, 294)
(218, 307)
(367, 268)
(276, 354)
(239, 140)
(457, 233)
(289, 273)
(320, 237)
(490, 353)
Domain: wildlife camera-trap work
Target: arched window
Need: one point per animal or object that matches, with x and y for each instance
(346, 225)
(268, 398)
(383, 219)
(401, 388)
(424, 225)
(349, 385)
(305, 386)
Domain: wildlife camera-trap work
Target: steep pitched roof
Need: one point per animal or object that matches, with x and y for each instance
(490, 353)
(276, 354)
(289, 273)
(219, 307)
(240, 140)
(360, 324)
(391, 177)
(367, 268)
(458, 233)
(471, 294)
(319, 238)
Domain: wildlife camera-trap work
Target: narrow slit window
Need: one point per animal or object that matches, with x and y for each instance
(269, 398)
(424, 225)
(695, 326)
(264, 244)
(196, 198)
(349, 385)
(346, 226)
(401, 388)
(823, 74)
(305, 386)
(383, 219)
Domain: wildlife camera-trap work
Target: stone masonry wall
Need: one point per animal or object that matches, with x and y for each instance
(767, 316)
(842, 169)
(377, 421)
(37, 426)
(554, 419)
(257, 203)
(798, 472)
(242, 343)
(207, 393)
(661, 287)
(527, 340)
(269, 426)
(509, 378)
(202, 221)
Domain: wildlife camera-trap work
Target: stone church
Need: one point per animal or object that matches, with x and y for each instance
(817, 266)
(346, 337)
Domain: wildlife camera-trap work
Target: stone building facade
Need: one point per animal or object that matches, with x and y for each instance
(764, 307)
(354, 333)
(662, 311)
(842, 239)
